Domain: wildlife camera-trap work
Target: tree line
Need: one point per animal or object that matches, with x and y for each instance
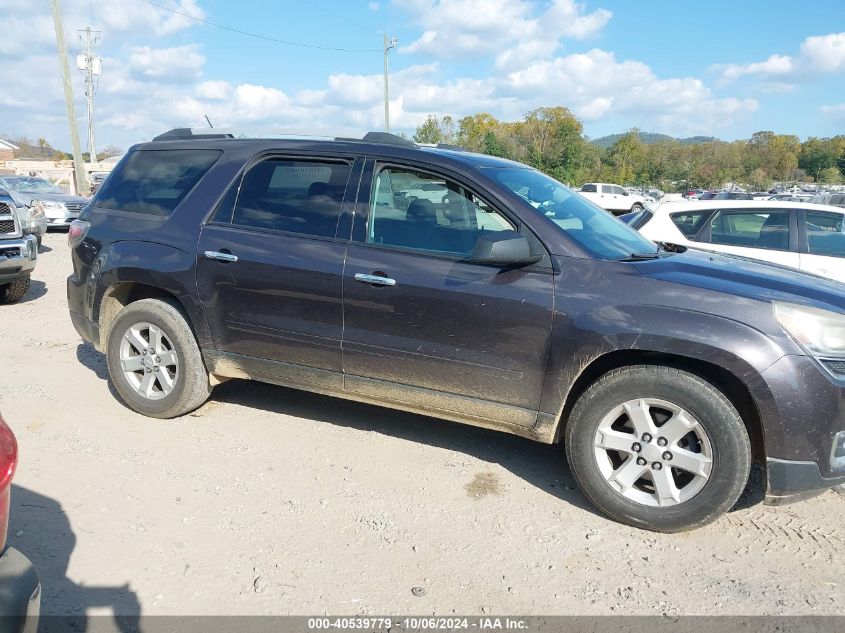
(552, 140)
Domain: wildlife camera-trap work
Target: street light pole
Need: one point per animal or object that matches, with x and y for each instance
(389, 43)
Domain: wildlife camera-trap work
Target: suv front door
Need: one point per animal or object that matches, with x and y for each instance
(424, 326)
(270, 269)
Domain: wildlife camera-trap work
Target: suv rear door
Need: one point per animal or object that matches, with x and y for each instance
(424, 326)
(270, 268)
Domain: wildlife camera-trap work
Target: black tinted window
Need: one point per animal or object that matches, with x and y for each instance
(690, 223)
(825, 234)
(154, 181)
(293, 195)
(589, 188)
(751, 229)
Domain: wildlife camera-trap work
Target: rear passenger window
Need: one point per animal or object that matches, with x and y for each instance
(154, 181)
(825, 234)
(426, 212)
(690, 223)
(293, 195)
(751, 229)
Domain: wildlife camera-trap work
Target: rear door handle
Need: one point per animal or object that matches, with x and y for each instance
(221, 256)
(375, 279)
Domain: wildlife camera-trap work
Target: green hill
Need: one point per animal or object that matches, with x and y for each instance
(650, 138)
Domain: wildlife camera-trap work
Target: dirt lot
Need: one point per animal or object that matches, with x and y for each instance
(269, 500)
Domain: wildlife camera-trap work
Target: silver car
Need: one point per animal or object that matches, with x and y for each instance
(58, 207)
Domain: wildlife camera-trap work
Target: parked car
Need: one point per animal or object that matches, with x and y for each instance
(18, 251)
(732, 195)
(807, 237)
(20, 590)
(613, 198)
(707, 195)
(59, 207)
(32, 219)
(97, 179)
(508, 302)
(829, 198)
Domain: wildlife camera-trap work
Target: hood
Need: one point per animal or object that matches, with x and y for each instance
(27, 198)
(746, 278)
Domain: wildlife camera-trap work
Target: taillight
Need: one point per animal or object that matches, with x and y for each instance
(76, 232)
(8, 463)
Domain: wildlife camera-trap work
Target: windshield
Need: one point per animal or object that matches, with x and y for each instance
(598, 232)
(31, 185)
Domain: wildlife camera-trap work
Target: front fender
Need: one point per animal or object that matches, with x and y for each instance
(580, 340)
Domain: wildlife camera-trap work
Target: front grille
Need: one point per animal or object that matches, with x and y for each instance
(5, 209)
(7, 226)
(75, 206)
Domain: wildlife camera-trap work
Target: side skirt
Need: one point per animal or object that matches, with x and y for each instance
(475, 412)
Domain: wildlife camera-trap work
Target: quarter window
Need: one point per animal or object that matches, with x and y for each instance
(690, 223)
(824, 234)
(423, 211)
(154, 182)
(293, 195)
(751, 229)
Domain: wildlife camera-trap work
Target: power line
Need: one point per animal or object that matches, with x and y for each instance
(316, 5)
(263, 37)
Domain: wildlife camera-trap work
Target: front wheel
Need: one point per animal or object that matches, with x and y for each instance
(154, 361)
(636, 208)
(658, 448)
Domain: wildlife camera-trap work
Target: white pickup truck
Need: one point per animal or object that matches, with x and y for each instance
(18, 251)
(613, 198)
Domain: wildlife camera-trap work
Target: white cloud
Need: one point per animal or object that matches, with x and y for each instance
(456, 27)
(835, 112)
(819, 54)
(214, 90)
(166, 64)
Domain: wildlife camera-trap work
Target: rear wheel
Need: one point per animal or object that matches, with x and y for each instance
(13, 292)
(154, 361)
(658, 448)
(636, 207)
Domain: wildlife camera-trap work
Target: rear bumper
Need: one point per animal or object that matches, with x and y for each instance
(20, 593)
(17, 258)
(87, 329)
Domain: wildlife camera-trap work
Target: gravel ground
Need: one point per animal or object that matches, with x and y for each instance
(273, 501)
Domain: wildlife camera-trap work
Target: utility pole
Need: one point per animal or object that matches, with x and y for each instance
(78, 168)
(389, 42)
(92, 66)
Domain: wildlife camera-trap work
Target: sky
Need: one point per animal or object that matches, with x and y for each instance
(681, 67)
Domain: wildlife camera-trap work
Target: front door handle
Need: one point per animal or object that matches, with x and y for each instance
(379, 280)
(221, 256)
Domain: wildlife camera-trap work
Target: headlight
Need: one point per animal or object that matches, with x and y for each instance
(820, 332)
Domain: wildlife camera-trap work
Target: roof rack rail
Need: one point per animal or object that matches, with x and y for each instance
(185, 133)
(387, 138)
(454, 148)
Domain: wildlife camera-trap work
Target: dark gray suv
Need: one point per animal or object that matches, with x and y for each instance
(470, 288)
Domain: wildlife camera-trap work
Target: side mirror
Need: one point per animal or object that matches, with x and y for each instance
(503, 248)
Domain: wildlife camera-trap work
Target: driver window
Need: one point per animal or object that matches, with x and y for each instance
(426, 212)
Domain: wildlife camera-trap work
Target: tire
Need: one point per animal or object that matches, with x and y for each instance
(176, 360)
(636, 207)
(674, 400)
(13, 292)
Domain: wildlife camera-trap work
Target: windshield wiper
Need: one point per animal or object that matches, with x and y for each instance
(638, 257)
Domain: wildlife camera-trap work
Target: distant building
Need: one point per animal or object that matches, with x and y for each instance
(7, 150)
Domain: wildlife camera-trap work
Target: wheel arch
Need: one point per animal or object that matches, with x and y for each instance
(725, 380)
